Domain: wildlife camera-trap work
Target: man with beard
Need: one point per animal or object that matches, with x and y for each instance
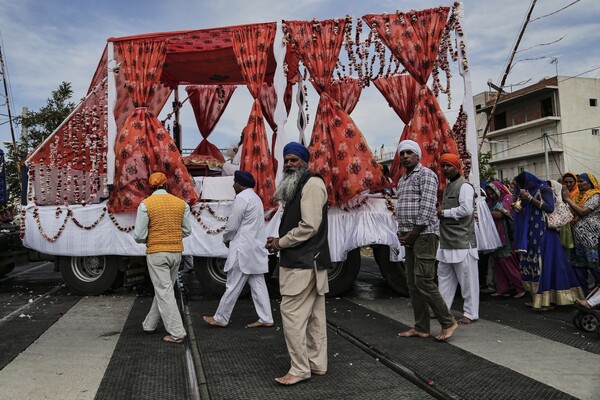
(458, 254)
(418, 233)
(303, 262)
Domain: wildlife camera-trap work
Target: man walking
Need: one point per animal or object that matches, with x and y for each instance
(303, 261)
(457, 254)
(247, 261)
(418, 233)
(162, 223)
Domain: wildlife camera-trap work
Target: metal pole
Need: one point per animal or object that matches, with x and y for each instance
(12, 130)
(545, 139)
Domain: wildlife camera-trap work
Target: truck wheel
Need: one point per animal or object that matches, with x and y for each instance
(6, 268)
(393, 272)
(212, 278)
(91, 275)
(343, 274)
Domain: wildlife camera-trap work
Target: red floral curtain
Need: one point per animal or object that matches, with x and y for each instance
(143, 146)
(208, 103)
(401, 93)
(339, 152)
(251, 45)
(414, 38)
(346, 92)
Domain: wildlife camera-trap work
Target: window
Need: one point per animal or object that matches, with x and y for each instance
(521, 169)
(501, 175)
(595, 131)
(547, 107)
(593, 102)
(500, 121)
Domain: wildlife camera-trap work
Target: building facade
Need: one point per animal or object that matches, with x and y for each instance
(548, 128)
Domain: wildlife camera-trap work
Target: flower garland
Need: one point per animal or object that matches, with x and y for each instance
(36, 216)
(116, 223)
(197, 215)
(389, 203)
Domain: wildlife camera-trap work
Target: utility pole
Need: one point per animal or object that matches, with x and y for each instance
(3, 72)
(506, 71)
(545, 139)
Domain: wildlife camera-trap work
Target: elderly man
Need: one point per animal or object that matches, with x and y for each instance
(457, 254)
(418, 233)
(303, 261)
(162, 223)
(245, 236)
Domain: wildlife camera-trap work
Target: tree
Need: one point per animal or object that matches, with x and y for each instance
(40, 124)
(487, 172)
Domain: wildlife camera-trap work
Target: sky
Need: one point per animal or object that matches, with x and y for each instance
(47, 42)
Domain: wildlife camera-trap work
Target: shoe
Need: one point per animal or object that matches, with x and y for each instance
(496, 294)
(519, 295)
(487, 290)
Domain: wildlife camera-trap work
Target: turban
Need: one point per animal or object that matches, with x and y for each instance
(409, 145)
(244, 178)
(157, 179)
(450, 158)
(296, 149)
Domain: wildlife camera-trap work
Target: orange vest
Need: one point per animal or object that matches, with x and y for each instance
(165, 214)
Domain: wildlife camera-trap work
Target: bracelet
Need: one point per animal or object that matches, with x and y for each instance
(529, 198)
(541, 203)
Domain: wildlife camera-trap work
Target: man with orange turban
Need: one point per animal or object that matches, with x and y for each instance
(162, 223)
(457, 254)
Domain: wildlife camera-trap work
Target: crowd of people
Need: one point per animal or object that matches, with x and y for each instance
(555, 262)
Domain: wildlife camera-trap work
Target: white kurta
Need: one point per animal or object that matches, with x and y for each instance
(245, 232)
(459, 266)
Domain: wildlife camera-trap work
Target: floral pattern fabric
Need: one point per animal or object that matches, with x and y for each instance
(338, 150)
(143, 146)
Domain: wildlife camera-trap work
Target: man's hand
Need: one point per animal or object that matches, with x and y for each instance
(272, 244)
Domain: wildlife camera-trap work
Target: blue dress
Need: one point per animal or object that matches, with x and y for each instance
(545, 268)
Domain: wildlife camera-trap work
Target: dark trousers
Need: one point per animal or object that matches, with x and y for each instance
(420, 276)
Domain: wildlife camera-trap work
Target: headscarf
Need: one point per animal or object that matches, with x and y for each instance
(409, 145)
(452, 159)
(533, 184)
(297, 149)
(575, 191)
(503, 205)
(582, 197)
(157, 179)
(504, 195)
(244, 178)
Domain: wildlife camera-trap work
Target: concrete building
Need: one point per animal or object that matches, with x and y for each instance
(548, 128)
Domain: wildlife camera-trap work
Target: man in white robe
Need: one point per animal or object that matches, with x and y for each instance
(248, 259)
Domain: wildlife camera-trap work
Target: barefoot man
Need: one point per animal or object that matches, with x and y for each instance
(303, 261)
(418, 233)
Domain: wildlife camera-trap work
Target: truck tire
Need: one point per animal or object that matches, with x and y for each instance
(91, 275)
(343, 274)
(6, 268)
(394, 273)
(212, 278)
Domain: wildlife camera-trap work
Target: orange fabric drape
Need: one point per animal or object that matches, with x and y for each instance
(143, 146)
(208, 103)
(339, 152)
(346, 92)
(251, 45)
(401, 92)
(414, 38)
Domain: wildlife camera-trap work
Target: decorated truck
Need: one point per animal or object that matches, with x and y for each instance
(87, 179)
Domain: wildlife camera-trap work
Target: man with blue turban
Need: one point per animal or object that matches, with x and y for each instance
(303, 262)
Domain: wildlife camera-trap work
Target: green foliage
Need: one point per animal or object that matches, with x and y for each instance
(40, 124)
(486, 171)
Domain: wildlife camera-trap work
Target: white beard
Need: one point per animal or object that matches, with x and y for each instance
(287, 187)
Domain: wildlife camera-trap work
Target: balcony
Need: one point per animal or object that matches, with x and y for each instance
(524, 126)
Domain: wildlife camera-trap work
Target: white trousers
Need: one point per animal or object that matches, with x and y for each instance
(236, 280)
(465, 274)
(163, 269)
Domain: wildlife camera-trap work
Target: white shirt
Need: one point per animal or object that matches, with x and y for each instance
(229, 167)
(465, 208)
(245, 232)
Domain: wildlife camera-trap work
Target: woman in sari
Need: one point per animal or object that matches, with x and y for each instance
(569, 181)
(586, 228)
(506, 265)
(545, 269)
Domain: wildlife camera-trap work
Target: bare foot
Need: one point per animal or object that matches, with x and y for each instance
(584, 303)
(289, 379)
(317, 372)
(519, 295)
(171, 339)
(465, 320)
(496, 294)
(447, 333)
(259, 324)
(412, 332)
(211, 321)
